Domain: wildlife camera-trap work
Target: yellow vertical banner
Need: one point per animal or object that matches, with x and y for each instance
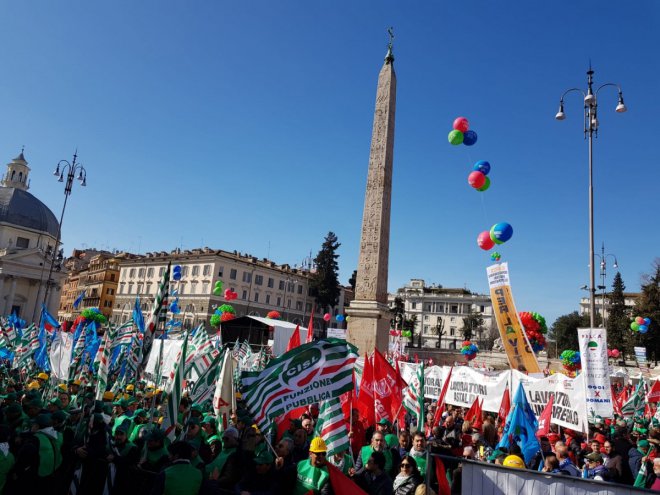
(517, 347)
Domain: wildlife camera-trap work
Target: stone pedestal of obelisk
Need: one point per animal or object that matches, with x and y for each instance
(369, 322)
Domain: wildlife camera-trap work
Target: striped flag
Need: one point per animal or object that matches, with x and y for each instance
(634, 406)
(413, 397)
(157, 315)
(104, 361)
(332, 426)
(310, 373)
(205, 384)
(174, 392)
(124, 335)
(224, 397)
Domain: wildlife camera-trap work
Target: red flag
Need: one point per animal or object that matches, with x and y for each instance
(439, 407)
(616, 403)
(310, 327)
(475, 414)
(623, 397)
(388, 386)
(341, 483)
(365, 402)
(294, 341)
(544, 419)
(284, 422)
(505, 405)
(441, 474)
(654, 393)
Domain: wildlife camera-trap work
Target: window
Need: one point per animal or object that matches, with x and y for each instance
(247, 277)
(259, 279)
(454, 309)
(150, 272)
(184, 271)
(439, 307)
(207, 270)
(161, 270)
(233, 273)
(288, 304)
(182, 288)
(281, 285)
(130, 288)
(300, 288)
(426, 329)
(22, 242)
(279, 302)
(271, 282)
(112, 277)
(267, 298)
(426, 317)
(148, 291)
(205, 288)
(193, 287)
(413, 305)
(121, 288)
(428, 307)
(256, 297)
(244, 295)
(299, 305)
(139, 288)
(308, 307)
(221, 270)
(452, 331)
(482, 308)
(195, 271)
(140, 272)
(290, 286)
(131, 273)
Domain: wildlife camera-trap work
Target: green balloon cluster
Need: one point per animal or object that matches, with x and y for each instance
(215, 320)
(217, 289)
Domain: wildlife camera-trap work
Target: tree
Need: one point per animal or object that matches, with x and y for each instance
(564, 330)
(353, 280)
(648, 306)
(325, 282)
(440, 332)
(398, 310)
(618, 331)
(472, 323)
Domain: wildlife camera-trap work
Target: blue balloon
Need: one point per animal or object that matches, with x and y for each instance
(643, 328)
(176, 275)
(501, 232)
(177, 268)
(469, 138)
(647, 321)
(482, 166)
(340, 318)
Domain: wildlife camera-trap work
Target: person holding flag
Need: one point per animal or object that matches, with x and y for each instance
(312, 474)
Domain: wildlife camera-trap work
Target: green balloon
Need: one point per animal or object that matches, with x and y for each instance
(634, 326)
(217, 291)
(485, 186)
(455, 137)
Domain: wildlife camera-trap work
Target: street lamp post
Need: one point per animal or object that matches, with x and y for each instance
(70, 169)
(591, 131)
(603, 268)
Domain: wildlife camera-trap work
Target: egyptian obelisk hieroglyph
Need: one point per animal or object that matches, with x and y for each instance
(369, 322)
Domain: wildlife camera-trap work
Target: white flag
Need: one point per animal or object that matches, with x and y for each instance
(224, 398)
(60, 355)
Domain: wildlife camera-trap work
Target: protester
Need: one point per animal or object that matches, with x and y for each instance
(407, 481)
(312, 473)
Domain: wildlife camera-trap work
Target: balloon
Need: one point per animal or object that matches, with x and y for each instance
(647, 321)
(339, 318)
(176, 276)
(455, 137)
(484, 241)
(615, 353)
(217, 291)
(218, 285)
(485, 186)
(501, 232)
(274, 315)
(327, 317)
(639, 320)
(482, 166)
(634, 326)
(494, 256)
(643, 328)
(461, 124)
(177, 268)
(476, 179)
(469, 138)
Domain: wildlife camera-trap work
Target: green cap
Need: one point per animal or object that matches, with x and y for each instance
(643, 443)
(142, 413)
(264, 457)
(495, 455)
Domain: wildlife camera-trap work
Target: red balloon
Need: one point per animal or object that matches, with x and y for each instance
(484, 241)
(327, 317)
(461, 124)
(476, 179)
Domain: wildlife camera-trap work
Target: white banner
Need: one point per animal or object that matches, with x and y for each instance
(467, 384)
(60, 355)
(568, 409)
(433, 377)
(170, 353)
(595, 369)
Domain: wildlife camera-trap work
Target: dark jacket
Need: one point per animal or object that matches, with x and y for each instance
(380, 485)
(614, 466)
(634, 461)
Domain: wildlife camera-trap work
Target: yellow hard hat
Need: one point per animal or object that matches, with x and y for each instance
(42, 376)
(317, 445)
(63, 387)
(513, 461)
(130, 387)
(33, 385)
(108, 395)
(76, 382)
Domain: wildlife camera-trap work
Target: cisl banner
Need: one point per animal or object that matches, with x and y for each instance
(568, 408)
(466, 384)
(514, 340)
(595, 368)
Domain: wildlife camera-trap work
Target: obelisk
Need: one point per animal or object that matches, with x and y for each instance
(369, 321)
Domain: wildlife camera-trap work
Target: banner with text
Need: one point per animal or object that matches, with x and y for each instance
(466, 384)
(568, 409)
(433, 377)
(514, 340)
(595, 368)
(640, 356)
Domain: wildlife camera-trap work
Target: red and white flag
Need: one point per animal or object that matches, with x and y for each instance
(545, 418)
(505, 405)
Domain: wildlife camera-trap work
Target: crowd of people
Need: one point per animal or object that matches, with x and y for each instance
(58, 439)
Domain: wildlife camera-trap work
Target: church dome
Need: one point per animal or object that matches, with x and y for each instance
(20, 208)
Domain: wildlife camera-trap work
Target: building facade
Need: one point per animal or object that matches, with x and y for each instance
(94, 275)
(261, 284)
(603, 304)
(438, 309)
(28, 233)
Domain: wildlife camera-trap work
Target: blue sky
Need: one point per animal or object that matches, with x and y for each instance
(246, 125)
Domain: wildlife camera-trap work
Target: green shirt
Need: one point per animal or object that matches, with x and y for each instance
(366, 452)
(182, 479)
(309, 477)
(219, 462)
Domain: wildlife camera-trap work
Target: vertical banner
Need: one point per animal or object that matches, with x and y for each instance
(640, 356)
(593, 354)
(514, 340)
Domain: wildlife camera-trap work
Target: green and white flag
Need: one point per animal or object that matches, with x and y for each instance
(413, 397)
(174, 391)
(158, 314)
(205, 384)
(634, 406)
(310, 373)
(331, 426)
(104, 361)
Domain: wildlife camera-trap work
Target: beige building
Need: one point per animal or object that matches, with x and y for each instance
(28, 232)
(261, 285)
(603, 304)
(440, 307)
